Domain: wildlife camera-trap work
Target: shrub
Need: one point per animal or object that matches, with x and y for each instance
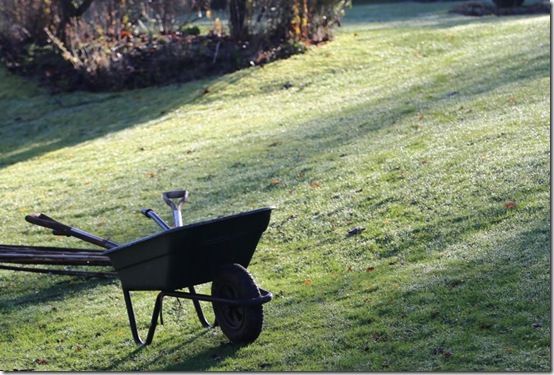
(116, 44)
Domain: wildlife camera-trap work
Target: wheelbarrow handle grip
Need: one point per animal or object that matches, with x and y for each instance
(65, 230)
(150, 213)
(47, 222)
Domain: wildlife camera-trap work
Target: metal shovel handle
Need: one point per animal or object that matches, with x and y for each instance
(182, 196)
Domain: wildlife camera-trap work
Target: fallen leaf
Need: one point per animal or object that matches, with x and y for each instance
(378, 337)
(370, 269)
(445, 353)
(151, 174)
(510, 205)
(315, 184)
(308, 282)
(275, 181)
(287, 85)
(354, 231)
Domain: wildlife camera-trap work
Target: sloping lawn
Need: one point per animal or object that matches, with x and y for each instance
(428, 130)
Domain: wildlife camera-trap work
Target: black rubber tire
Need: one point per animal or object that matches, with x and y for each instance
(508, 3)
(241, 324)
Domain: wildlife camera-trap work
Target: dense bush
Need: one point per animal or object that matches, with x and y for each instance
(115, 44)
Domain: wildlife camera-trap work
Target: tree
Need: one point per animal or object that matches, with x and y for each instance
(69, 10)
(237, 19)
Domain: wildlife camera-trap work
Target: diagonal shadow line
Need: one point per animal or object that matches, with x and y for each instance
(56, 291)
(204, 360)
(385, 14)
(29, 130)
(167, 352)
(460, 280)
(322, 135)
(47, 130)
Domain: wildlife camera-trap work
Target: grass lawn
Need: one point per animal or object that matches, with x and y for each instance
(429, 130)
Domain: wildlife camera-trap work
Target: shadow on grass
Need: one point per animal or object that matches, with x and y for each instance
(23, 291)
(365, 14)
(30, 128)
(202, 361)
(483, 306)
(488, 312)
(416, 14)
(198, 362)
(32, 291)
(27, 293)
(301, 144)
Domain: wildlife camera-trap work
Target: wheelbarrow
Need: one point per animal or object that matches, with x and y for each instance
(217, 251)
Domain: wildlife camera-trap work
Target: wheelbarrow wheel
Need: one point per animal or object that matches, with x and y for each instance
(241, 324)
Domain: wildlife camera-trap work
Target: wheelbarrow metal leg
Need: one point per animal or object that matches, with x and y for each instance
(133, 323)
(199, 311)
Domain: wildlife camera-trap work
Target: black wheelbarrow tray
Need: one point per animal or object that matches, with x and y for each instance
(217, 251)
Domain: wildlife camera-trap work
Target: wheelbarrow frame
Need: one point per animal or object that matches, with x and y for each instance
(113, 249)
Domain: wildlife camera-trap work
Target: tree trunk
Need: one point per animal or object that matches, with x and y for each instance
(237, 19)
(67, 12)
